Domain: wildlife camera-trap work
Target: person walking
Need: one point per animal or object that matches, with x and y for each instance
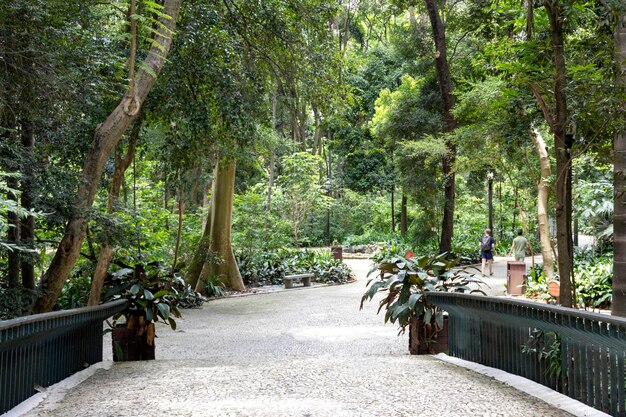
(519, 246)
(487, 243)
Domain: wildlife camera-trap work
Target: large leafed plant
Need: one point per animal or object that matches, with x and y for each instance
(406, 281)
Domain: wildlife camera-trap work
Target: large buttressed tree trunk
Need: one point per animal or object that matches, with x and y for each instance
(106, 137)
(618, 304)
(445, 86)
(220, 230)
(543, 193)
(562, 153)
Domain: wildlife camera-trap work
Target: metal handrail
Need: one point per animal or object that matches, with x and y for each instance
(536, 340)
(20, 321)
(43, 349)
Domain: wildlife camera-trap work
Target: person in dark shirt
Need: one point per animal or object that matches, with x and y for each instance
(487, 243)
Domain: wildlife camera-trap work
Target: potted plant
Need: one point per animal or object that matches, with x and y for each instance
(406, 281)
(150, 300)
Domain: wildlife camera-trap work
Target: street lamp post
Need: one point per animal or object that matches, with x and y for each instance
(328, 186)
(490, 176)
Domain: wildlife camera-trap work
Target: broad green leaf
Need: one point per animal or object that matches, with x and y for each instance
(439, 319)
(161, 293)
(164, 309)
(122, 272)
(428, 315)
(413, 299)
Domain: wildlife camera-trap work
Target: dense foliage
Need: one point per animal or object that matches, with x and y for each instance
(269, 268)
(405, 282)
(593, 274)
(332, 113)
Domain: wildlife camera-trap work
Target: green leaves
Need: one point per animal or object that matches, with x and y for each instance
(406, 282)
(164, 310)
(149, 296)
(301, 188)
(413, 299)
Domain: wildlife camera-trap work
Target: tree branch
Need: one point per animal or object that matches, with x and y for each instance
(543, 106)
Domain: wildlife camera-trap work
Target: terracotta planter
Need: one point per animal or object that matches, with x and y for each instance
(132, 344)
(425, 340)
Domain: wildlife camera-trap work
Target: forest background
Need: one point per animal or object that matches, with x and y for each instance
(138, 132)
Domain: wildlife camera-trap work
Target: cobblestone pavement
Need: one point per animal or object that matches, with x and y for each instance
(302, 352)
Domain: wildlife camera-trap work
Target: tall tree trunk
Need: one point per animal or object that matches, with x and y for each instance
(270, 184)
(490, 202)
(272, 167)
(221, 219)
(403, 223)
(317, 135)
(192, 277)
(302, 116)
(13, 237)
(179, 230)
(27, 224)
(618, 305)
(445, 87)
(393, 209)
(104, 258)
(543, 193)
(563, 157)
(515, 208)
(106, 137)
(295, 130)
(194, 198)
(205, 201)
(530, 19)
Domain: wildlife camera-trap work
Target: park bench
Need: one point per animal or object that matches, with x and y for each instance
(304, 278)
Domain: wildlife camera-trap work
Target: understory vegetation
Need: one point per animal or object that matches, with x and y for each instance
(593, 276)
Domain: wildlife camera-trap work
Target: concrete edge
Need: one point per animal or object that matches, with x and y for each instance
(55, 393)
(539, 391)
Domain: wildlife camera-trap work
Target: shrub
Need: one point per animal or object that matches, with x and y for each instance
(15, 302)
(152, 276)
(537, 284)
(262, 268)
(337, 274)
(183, 295)
(214, 286)
(405, 280)
(75, 292)
(465, 249)
(390, 249)
(269, 268)
(594, 278)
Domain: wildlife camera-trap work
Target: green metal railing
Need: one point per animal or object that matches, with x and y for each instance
(577, 353)
(43, 349)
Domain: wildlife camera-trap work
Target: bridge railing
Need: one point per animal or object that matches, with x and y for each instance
(577, 353)
(43, 349)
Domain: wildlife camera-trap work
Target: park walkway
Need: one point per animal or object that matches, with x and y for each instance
(302, 352)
